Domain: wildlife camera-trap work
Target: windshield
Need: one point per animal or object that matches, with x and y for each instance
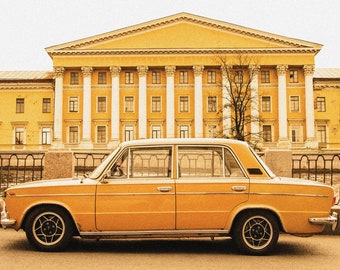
(97, 172)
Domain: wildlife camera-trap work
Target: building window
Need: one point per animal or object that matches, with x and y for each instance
(73, 104)
(73, 134)
(184, 131)
(156, 77)
(265, 76)
(129, 133)
(101, 104)
(294, 104)
(156, 132)
(101, 134)
(184, 104)
(20, 104)
(266, 104)
(46, 135)
(211, 76)
(212, 131)
(212, 104)
(238, 77)
(296, 133)
(321, 104)
(46, 107)
(129, 104)
(293, 76)
(74, 79)
(321, 133)
(128, 77)
(183, 77)
(19, 135)
(267, 133)
(156, 104)
(102, 77)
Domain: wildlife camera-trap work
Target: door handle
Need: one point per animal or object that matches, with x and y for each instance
(164, 189)
(239, 188)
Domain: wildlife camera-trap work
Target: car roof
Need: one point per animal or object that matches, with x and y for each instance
(154, 142)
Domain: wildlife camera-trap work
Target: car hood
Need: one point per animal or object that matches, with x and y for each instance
(53, 183)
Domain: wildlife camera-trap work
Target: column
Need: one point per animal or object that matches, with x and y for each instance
(254, 106)
(115, 109)
(142, 101)
(170, 101)
(58, 108)
(198, 70)
(311, 141)
(86, 138)
(282, 105)
(226, 112)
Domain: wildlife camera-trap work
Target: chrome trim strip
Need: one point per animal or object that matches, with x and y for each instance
(288, 194)
(155, 232)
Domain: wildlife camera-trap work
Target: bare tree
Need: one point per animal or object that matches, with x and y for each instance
(240, 99)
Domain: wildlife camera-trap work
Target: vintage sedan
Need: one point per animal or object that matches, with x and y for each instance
(171, 188)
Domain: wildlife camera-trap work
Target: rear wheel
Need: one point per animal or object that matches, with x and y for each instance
(256, 233)
(49, 229)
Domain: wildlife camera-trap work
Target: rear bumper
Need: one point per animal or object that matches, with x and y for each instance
(330, 220)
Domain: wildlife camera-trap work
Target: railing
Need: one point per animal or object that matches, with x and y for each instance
(20, 167)
(318, 167)
(16, 168)
(87, 162)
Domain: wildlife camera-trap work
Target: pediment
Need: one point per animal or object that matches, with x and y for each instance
(183, 31)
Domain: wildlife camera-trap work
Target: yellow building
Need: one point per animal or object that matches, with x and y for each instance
(26, 109)
(327, 107)
(164, 78)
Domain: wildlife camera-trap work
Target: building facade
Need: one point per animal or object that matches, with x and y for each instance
(165, 78)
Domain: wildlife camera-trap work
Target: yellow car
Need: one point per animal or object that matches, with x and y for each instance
(171, 188)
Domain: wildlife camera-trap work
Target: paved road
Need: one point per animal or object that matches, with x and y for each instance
(317, 252)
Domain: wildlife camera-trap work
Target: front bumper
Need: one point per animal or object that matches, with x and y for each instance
(5, 221)
(330, 220)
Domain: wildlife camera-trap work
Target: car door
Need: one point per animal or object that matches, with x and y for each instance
(210, 184)
(141, 196)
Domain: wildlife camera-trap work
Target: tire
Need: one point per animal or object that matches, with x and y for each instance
(256, 233)
(49, 228)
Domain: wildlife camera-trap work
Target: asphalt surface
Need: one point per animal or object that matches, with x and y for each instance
(317, 252)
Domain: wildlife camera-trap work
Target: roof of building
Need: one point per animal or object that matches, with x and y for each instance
(327, 73)
(25, 75)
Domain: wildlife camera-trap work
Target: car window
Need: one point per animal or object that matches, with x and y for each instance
(143, 163)
(232, 167)
(200, 161)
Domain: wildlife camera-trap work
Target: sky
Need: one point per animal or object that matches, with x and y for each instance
(27, 27)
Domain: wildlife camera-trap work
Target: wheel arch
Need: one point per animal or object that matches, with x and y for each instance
(257, 210)
(49, 205)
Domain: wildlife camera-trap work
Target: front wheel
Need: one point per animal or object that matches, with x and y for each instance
(49, 229)
(256, 233)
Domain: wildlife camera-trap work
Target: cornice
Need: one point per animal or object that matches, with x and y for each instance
(186, 51)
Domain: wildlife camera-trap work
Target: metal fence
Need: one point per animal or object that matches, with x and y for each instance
(21, 167)
(16, 168)
(318, 167)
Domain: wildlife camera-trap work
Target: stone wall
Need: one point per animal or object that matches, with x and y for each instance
(58, 164)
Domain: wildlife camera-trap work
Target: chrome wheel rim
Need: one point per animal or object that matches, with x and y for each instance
(48, 228)
(257, 232)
